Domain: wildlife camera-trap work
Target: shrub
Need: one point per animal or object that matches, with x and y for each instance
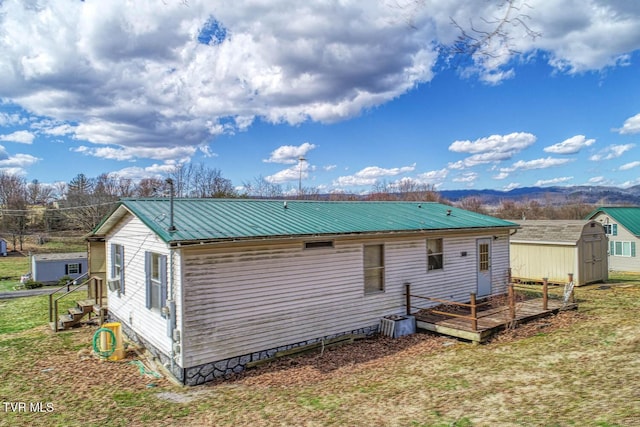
(32, 284)
(64, 279)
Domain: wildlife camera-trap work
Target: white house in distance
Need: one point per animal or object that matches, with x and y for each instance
(211, 285)
(622, 226)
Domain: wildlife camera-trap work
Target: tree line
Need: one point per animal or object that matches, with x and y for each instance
(80, 204)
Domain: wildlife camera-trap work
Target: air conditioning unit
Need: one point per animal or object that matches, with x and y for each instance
(113, 285)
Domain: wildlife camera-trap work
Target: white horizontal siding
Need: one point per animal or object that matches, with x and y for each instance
(250, 299)
(130, 307)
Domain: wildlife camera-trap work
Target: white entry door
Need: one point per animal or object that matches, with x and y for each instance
(484, 267)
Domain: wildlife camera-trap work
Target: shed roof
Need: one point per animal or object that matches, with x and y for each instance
(222, 219)
(60, 256)
(557, 231)
(627, 216)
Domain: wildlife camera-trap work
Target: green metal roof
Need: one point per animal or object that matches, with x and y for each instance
(627, 216)
(221, 219)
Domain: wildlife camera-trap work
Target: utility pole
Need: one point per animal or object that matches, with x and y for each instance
(300, 160)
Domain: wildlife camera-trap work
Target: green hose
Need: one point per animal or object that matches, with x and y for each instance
(104, 353)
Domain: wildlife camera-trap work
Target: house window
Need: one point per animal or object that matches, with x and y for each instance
(117, 265)
(434, 254)
(373, 268)
(156, 286)
(73, 268)
(624, 249)
(610, 229)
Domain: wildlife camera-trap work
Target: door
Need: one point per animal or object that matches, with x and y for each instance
(484, 267)
(593, 261)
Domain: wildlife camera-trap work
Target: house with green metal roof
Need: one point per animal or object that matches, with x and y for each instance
(622, 226)
(213, 286)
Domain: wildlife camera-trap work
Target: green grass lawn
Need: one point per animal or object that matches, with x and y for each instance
(583, 374)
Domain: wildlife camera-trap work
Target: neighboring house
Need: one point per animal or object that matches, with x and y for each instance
(554, 248)
(211, 285)
(622, 226)
(49, 268)
(3, 247)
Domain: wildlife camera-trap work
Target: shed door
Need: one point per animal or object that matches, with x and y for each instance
(484, 267)
(593, 260)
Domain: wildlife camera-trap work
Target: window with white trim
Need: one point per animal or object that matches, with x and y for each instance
(434, 254)
(621, 248)
(156, 286)
(610, 229)
(373, 261)
(117, 265)
(73, 268)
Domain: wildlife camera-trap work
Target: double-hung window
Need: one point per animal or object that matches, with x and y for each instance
(373, 269)
(117, 265)
(156, 286)
(73, 268)
(434, 254)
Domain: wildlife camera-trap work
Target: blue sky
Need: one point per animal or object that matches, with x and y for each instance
(364, 91)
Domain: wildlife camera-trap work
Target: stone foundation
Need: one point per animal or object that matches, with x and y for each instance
(223, 368)
(201, 374)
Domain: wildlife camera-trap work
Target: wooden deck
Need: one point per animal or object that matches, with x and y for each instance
(490, 321)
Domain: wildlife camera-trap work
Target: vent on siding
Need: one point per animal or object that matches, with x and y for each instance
(387, 327)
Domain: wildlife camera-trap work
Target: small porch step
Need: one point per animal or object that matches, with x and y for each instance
(76, 314)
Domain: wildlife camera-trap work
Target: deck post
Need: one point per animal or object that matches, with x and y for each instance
(545, 293)
(407, 290)
(512, 302)
(474, 317)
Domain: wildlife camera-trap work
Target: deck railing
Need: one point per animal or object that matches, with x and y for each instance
(473, 305)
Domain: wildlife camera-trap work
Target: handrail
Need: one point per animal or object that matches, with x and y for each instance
(53, 312)
(473, 305)
(66, 285)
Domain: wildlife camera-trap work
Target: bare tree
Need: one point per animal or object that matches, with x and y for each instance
(494, 36)
(38, 194)
(13, 199)
(209, 182)
(473, 204)
(150, 187)
(261, 188)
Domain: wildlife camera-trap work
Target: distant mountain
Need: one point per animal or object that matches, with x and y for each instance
(598, 195)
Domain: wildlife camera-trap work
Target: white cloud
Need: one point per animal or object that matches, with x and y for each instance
(7, 119)
(467, 177)
(370, 175)
(552, 181)
(630, 165)
(631, 125)
(511, 186)
(180, 153)
(16, 162)
(597, 180)
(329, 167)
(494, 148)
(630, 183)
(513, 142)
(611, 152)
(535, 164)
(294, 173)
(570, 146)
(21, 136)
(142, 74)
(289, 154)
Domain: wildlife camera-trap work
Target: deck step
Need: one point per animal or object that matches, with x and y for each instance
(76, 312)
